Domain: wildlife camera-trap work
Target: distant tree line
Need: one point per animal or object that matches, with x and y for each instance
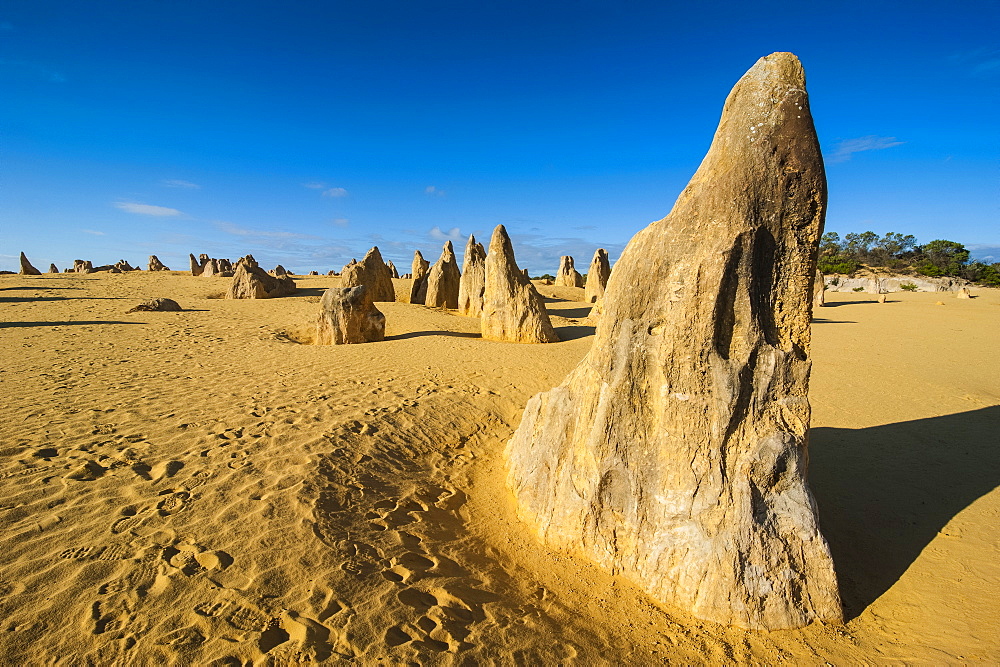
(902, 254)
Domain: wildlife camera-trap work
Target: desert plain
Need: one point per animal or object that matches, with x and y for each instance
(208, 487)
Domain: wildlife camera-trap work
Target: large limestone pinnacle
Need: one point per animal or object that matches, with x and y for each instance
(675, 453)
(512, 308)
(473, 281)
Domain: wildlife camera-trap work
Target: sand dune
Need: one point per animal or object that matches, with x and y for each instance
(203, 486)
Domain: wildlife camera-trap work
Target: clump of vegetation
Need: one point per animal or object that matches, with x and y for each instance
(901, 253)
(858, 289)
(908, 287)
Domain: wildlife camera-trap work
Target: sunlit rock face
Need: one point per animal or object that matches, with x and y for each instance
(473, 281)
(675, 453)
(512, 308)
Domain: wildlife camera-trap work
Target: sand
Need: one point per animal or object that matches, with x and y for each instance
(203, 486)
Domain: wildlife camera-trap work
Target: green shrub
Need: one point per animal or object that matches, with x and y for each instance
(908, 287)
(859, 289)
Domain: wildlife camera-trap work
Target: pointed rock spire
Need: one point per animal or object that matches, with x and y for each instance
(373, 272)
(442, 282)
(597, 276)
(567, 275)
(675, 453)
(473, 280)
(420, 268)
(512, 309)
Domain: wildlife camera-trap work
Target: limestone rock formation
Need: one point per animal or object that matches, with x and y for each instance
(443, 280)
(819, 290)
(156, 265)
(392, 269)
(26, 268)
(597, 276)
(210, 268)
(512, 309)
(314, 273)
(195, 265)
(421, 268)
(567, 275)
(675, 453)
(373, 272)
(963, 293)
(348, 315)
(53, 268)
(279, 271)
(156, 305)
(881, 298)
(252, 282)
(83, 266)
(473, 280)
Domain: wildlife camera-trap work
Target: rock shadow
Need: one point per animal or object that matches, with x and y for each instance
(12, 325)
(571, 313)
(418, 334)
(573, 332)
(885, 492)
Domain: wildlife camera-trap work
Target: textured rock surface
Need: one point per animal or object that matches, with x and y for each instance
(155, 264)
(443, 280)
(165, 305)
(348, 315)
(473, 280)
(195, 266)
(567, 275)
(420, 268)
(392, 269)
(373, 272)
(675, 453)
(819, 290)
(963, 293)
(252, 282)
(27, 269)
(53, 268)
(894, 283)
(83, 266)
(597, 276)
(512, 308)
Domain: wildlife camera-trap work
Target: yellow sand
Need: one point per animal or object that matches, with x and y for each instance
(193, 487)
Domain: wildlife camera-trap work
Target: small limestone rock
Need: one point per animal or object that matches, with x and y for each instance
(123, 266)
(512, 309)
(82, 266)
(473, 280)
(421, 268)
(26, 268)
(155, 264)
(279, 271)
(373, 272)
(314, 273)
(881, 298)
(675, 453)
(195, 266)
(348, 315)
(597, 276)
(392, 269)
(164, 305)
(53, 268)
(568, 276)
(443, 280)
(252, 282)
(819, 290)
(963, 293)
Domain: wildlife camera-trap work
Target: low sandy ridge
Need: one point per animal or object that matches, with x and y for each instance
(206, 486)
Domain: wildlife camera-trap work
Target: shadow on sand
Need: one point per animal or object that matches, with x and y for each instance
(418, 334)
(574, 332)
(12, 325)
(571, 313)
(885, 492)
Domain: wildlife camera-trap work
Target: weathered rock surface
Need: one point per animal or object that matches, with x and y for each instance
(83, 266)
(123, 266)
(963, 293)
(53, 268)
(279, 271)
(675, 453)
(156, 305)
(893, 283)
(155, 264)
(597, 276)
(26, 268)
(392, 269)
(567, 275)
(252, 282)
(443, 280)
(420, 268)
(473, 281)
(373, 272)
(348, 315)
(512, 308)
(819, 290)
(195, 265)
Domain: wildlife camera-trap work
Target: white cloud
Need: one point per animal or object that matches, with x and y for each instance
(92, 231)
(314, 185)
(453, 234)
(335, 192)
(148, 209)
(433, 191)
(340, 222)
(842, 151)
(176, 183)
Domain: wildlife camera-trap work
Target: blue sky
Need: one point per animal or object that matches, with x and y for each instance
(305, 132)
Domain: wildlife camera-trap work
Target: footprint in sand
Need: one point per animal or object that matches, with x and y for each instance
(246, 619)
(173, 503)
